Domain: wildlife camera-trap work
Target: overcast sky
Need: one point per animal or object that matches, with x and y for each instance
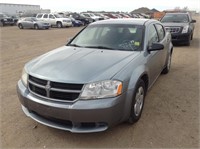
(108, 5)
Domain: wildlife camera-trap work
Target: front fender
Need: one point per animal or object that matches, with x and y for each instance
(135, 77)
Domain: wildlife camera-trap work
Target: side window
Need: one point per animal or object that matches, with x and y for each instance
(51, 16)
(161, 31)
(45, 16)
(39, 16)
(152, 35)
(27, 19)
(86, 15)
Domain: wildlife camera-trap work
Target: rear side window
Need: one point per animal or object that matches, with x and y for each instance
(51, 16)
(161, 31)
(45, 16)
(39, 16)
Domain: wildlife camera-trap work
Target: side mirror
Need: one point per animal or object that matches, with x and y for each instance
(155, 47)
(193, 21)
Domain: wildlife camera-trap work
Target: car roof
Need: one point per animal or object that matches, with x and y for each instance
(135, 21)
(177, 13)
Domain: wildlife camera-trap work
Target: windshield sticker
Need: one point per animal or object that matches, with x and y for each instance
(137, 43)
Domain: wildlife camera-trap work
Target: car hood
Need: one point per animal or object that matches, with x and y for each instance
(174, 24)
(79, 65)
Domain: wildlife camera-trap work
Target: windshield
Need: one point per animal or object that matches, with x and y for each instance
(110, 36)
(175, 18)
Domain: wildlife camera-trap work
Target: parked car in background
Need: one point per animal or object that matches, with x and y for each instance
(54, 19)
(80, 17)
(31, 22)
(15, 19)
(6, 20)
(93, 16)
(99, 79)
(180, 25)
(76, 23)
(110, 15)
(102, 15)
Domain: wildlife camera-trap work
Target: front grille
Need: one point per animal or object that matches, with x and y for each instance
(54, 90)
(173, 29)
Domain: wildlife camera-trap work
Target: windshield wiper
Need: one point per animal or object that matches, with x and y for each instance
(99, 47)
(73, 45)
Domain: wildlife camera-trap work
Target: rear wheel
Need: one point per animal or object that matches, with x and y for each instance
(191, 36)
(20, 26)
(168, 66)
(137, 102)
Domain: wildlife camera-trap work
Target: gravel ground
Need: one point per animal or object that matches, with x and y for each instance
(170, 118)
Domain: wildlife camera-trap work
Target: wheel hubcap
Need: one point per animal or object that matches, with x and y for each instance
(139, 100)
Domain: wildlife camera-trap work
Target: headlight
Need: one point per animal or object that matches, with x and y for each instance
(185, 29)
(24, 77)
(103, 89)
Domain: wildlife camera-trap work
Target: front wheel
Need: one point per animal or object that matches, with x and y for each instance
(20, 26)
(137, 102)
(36, 26)
(59, 24)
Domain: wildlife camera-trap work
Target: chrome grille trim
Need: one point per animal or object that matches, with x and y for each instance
(54, 91)
(173, 29)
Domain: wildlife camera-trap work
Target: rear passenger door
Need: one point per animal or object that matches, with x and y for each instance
(163, 40)
(52, 19)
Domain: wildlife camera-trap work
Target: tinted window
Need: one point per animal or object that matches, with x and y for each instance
(152, 35)
(161, 31)
(45, 16)
(39, 16)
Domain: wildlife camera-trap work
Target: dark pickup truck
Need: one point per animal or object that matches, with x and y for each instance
(181, 26)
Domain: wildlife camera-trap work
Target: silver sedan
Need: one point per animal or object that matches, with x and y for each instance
(31, 22)
(99, 79)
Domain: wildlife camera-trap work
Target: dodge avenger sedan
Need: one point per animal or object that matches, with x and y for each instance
(99, 78)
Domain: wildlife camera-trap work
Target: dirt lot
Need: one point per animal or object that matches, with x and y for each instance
(170, 117)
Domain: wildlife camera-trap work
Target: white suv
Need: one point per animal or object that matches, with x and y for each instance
(54, 19)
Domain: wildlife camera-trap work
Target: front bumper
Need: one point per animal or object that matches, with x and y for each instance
(82, 116)
(178, 37)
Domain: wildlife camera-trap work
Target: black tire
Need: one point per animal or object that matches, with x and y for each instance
(168, 65)
(59, 24)
(20, 26)
(36, 27)
(191, 37)
(188, 42)
(140, 90)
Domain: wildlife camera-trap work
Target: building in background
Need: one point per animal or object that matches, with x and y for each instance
(20, 9)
